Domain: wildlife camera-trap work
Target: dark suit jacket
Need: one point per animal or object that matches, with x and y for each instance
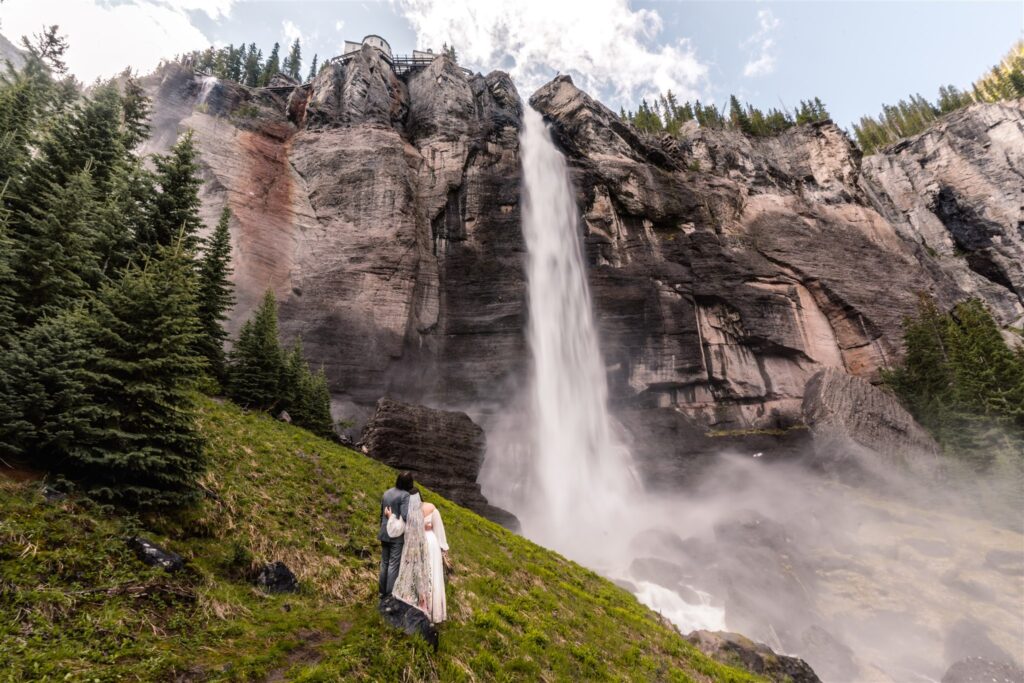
(398, 501)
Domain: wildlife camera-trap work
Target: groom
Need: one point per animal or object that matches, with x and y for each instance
(395, 501)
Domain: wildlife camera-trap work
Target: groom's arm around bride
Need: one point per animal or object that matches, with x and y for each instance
(394, 508)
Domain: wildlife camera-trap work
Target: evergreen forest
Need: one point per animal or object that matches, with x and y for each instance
(114, 295)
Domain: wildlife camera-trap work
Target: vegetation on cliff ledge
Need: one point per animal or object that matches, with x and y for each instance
(963, 382)
(75, 603)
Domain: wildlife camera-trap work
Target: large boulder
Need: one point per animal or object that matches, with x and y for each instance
(443, 449)
(276, 577)
(859, 428)
(736, 650)
(981, 670)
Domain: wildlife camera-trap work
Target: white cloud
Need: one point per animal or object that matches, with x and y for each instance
(608, 48)
(761, 46)
(105, 38)
(291, 32)
(338, 25)
(215, 9)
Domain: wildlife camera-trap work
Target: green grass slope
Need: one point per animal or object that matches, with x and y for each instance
(76, 605)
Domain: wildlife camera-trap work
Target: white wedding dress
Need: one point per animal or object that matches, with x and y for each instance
(437, 543)
(420, 581)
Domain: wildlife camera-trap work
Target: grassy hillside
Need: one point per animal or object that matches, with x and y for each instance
(76, 605)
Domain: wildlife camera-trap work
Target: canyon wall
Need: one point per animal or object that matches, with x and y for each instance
(726, 271)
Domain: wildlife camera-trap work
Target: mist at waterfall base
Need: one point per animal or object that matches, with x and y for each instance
(891, 582)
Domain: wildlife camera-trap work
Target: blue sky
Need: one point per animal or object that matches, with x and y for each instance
(854, 55)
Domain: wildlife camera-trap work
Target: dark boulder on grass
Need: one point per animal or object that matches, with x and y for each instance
(52, 495)
(276, 577)
(155, 556)
(733, 649)
(413, 621)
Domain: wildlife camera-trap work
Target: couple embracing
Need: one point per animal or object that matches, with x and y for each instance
(414, 550)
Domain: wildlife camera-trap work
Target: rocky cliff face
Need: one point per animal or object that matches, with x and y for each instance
(726, 271)
(443, 449)
(383, 213)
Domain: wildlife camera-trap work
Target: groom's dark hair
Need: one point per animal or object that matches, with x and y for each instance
(404, 481)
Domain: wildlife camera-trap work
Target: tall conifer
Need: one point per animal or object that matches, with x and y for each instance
(273, 65)
(215, 294)
(256, 362)
(49, 414)
(55, 262)
(175, 208)
(148, 451)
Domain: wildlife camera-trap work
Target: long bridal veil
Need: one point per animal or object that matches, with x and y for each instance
(413, 583)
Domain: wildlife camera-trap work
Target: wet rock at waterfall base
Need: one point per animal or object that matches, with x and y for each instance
(969, 638)
(981, 670)
(861, 432)
(443, 449)
(276, 577)
(768, 581)
(819, 645)
(735, 650)
(155, 556)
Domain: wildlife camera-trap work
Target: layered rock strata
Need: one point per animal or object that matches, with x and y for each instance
(726, 271)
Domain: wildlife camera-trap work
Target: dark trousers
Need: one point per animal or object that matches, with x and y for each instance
(390, 559)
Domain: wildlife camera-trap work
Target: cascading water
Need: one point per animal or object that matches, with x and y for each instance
(574, 476)
(561, 468)
(204, 92)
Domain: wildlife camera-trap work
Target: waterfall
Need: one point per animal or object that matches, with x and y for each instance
(572, 473)
(556, 460)
(208, 83)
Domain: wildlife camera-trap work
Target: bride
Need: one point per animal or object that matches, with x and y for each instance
(420, 579)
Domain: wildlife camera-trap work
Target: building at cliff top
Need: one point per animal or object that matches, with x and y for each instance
(401, 64)
(372, 41)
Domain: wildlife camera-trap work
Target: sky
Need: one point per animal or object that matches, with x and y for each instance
(853, 55)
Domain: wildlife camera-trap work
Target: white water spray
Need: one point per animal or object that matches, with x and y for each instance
(574, 478)
(556, 463)
(208, 83)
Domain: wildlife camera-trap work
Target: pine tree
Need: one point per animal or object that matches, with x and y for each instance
(134, 113)
(28, 98)
(272, 67)
(738, 117)
(124, 217)
(49, 48)
(7, 284)
(253, 67)
(175, 209)
(304, 395)
(316, 415)
(961, 381)
(255, 361)
(48, 387)
(312, 69)
(294, 378)
(147, 450)
(87, 134)
(293, 62)
(215, 295)
(53, 256)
